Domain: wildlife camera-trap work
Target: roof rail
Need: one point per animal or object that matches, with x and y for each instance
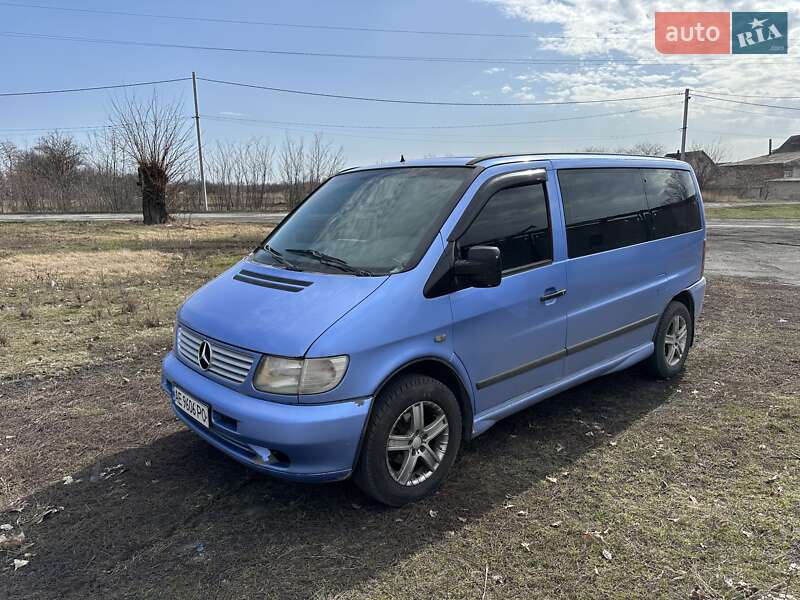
(479, 159)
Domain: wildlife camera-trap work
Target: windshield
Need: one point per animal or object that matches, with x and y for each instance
(367, 222)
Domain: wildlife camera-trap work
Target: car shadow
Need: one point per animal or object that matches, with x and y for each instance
(176, 518)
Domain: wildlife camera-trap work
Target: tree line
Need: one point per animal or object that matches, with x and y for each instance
(145, 160)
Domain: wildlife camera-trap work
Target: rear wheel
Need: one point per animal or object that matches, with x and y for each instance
(411, 442)
(672, 341)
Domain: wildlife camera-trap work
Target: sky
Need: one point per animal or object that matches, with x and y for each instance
(576, 51)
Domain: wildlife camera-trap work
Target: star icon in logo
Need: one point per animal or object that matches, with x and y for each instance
(756, 23)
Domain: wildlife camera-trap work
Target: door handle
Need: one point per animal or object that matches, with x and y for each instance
(552, 295)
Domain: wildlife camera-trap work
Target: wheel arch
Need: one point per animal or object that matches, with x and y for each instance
(445, 372)
(685, 298)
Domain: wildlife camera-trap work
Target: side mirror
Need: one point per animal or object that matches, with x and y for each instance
(482, 268)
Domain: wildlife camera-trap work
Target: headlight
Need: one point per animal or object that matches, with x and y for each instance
(278, 375)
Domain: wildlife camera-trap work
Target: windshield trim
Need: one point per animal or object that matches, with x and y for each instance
(430, 235)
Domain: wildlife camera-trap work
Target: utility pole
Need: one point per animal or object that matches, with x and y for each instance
(770, 146)
(200, 143)
(685, 118)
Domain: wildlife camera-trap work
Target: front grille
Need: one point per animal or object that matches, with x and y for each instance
(228, 364)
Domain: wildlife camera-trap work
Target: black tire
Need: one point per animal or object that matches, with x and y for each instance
(373, 473)
(659, 363)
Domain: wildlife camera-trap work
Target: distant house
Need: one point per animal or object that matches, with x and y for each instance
(704, 166)
(774, 176)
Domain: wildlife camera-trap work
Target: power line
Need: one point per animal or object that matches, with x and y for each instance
(39, 129)
(76, 128)
(747, 95)
(358, 127)
(398, 135)
(93, 88)
(429, 102)
(747, 103)
(732, 134)
(382, 57)
(232, 21)
(746, 112)
(466, 140)
(438, 127)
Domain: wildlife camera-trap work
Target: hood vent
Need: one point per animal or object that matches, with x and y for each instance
(270, 281)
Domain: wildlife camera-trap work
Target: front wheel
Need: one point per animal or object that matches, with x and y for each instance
(411, 442)
(672, 341)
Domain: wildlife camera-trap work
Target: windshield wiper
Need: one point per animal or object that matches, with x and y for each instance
(278, 256)
(332, 261)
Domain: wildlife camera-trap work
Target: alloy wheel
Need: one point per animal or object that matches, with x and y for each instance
(417, 443)
(675, 340)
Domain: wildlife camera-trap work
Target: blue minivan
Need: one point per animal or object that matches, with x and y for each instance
(402, 309)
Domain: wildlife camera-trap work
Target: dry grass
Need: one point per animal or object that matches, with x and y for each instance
(70, 268)
(46, 238)
(76, 294)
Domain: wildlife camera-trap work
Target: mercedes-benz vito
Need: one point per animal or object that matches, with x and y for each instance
(400, 310)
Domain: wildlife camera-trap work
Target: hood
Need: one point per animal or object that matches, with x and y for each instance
(271, 310)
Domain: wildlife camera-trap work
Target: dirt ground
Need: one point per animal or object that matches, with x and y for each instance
(623, 487)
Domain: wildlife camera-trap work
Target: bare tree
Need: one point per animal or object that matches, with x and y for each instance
(643, 149)
(292, 169)
(322, 160)
(707, 170)
(56, 161)
(157, 137)
(9, 154)
(596, 149)
(303, 168)
(241, 174)
(716, 150)
(111, 183)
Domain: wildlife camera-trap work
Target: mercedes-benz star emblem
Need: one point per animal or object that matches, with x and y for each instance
(204, 356)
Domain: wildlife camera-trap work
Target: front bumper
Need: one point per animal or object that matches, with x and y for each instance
(292, 441)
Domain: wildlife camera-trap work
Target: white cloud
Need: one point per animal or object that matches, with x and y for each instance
(494, 70)
(624, 30)
(506, 89)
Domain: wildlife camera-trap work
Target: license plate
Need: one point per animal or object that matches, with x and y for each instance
(194, 408)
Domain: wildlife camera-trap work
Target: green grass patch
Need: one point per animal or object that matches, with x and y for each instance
(780, 211)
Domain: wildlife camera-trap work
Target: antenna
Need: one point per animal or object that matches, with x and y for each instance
(402, 158)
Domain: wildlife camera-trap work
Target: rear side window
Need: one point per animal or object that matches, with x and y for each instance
(672, 200)
(604, 209)
(516, 220)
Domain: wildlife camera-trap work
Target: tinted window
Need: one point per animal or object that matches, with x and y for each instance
(516, 221)
(603, 209)
(672, 200)
(376, 220)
